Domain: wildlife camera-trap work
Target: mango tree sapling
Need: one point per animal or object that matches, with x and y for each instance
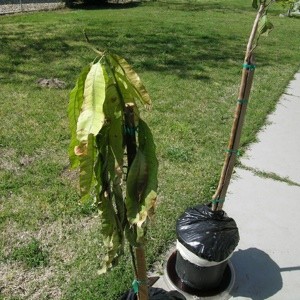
(115, 151)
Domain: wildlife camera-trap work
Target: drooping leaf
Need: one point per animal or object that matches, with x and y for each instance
(111, 229)
(264, 26)
(148, 148)
(113, 107)
(128, 92)
(91, 118)
(75, 102)
(100, 169)
(119, 201)
(136, 184)
(87, 163)
(135, 84)
(142, 183)
(117, 149)
(119, 85)
(113, 237)
(116, 142)
(131, 235)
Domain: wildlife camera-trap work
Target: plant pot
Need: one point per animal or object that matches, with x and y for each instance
(173, 281)
(205, 241)
(200, 276)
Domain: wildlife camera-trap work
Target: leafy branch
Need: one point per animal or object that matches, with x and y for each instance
(107, 137)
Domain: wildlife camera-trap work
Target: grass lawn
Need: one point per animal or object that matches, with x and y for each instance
(189, 57)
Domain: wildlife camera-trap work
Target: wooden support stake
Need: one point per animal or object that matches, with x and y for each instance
(236, 130)
(234, 141)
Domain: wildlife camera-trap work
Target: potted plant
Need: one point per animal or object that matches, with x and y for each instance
(115, 151)
(206, 236)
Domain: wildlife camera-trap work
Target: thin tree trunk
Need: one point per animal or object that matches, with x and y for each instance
(140, 257)
(141, 273)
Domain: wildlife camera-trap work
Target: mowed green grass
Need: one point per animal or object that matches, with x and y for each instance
(189, 56)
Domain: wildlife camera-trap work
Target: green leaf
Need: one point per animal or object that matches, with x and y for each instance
(148, 148)
(116, 143)
(131, 234)
(122, 88)
(112, 229)
(91, 118)
(75, 102)
(131, 78)
(117, 150)
(264, 26)
(113, 237)
(100, 169)
(136, 183)
(87, 162)
(112, 104)
(142, 183)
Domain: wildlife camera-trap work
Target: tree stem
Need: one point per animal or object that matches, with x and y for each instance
(131, 147)
(130, 139)
(142, 273)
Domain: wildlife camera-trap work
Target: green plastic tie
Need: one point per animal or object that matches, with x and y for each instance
(135, 286)
(215, 201)
(242, 101)
(249, 67)
(237, 152)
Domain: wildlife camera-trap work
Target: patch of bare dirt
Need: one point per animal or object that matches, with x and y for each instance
(8, 161)
(26, 160)
(51, 83)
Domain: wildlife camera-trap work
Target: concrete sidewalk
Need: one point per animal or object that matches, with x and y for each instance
(264, 200)
(266, 207)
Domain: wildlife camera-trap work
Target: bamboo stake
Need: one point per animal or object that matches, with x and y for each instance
(238, 122)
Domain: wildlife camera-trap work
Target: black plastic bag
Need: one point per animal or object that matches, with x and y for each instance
(210, 235)
(155, 294)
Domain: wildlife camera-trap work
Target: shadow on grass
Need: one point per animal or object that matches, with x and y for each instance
(185, 5)
(178, 49)
(95, 5)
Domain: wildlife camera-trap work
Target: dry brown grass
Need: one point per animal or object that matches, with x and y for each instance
(64, 240)
(8, 160)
